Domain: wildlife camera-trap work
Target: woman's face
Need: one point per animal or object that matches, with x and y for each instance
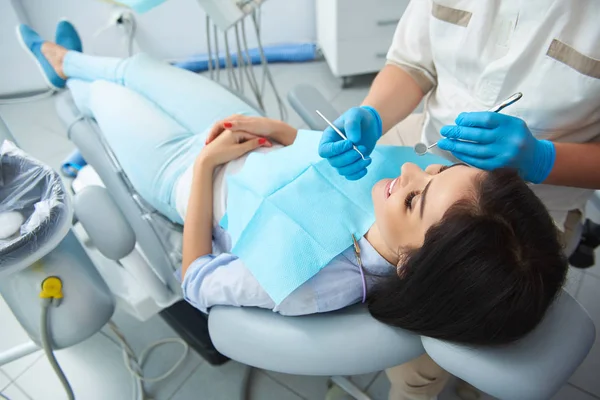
(407, 206)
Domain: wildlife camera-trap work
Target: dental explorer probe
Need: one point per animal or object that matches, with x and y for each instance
(339, 133)
(421, 148)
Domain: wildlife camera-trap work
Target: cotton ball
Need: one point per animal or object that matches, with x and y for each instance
(10, 223)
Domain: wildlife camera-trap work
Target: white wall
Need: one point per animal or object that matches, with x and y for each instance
(17, 72)
(173, 30)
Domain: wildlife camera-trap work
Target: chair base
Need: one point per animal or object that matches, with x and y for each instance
(347, 386)
(192, 326)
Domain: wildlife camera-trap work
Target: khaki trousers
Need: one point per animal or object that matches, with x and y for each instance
(419, 379)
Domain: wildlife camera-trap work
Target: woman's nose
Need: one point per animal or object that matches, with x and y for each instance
(411, 174)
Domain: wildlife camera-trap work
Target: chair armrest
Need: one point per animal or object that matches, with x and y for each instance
(305, 100)
(104, 222)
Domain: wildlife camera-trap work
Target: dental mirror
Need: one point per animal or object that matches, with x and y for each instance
(421, 148)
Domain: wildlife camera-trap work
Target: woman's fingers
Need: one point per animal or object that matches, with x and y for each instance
(231, 145)
(249, 141)
(238, 123)
(220, 126)
(215, 131)
(253, 144)
(243, 136)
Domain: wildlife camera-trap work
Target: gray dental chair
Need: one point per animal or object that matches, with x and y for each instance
(346, 342)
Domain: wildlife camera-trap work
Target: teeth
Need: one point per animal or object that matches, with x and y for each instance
(392, 187)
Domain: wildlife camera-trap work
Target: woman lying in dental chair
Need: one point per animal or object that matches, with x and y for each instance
(454, 253)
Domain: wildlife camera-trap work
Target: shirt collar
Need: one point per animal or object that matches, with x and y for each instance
(372, 261)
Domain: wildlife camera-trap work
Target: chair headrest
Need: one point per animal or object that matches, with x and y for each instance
(535, 367)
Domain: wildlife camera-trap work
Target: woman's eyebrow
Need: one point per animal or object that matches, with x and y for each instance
(424, 197)
(424, 194)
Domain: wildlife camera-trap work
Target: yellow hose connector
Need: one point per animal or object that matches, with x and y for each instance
(51, 288)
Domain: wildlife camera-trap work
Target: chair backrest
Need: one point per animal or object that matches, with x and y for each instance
(85, 134)
(306, 99)
(345, 342)
(350, 341)
(5, 132)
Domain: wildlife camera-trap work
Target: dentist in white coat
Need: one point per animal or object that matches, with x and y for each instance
(465, 56)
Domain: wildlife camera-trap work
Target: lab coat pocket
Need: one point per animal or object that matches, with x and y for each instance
(567, 55)
(449, 32)
(451, 15)
(563, 96)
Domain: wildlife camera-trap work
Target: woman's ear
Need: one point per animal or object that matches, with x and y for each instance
(400, 267)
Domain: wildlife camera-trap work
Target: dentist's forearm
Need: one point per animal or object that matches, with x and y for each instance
(577, 165)
(394, 94)
(197, 229)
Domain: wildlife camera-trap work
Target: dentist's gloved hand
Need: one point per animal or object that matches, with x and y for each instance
(500, 141)
(362, 126)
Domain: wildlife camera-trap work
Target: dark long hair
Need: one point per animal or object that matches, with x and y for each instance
(486, 273)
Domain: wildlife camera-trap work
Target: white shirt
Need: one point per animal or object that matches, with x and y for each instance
(469, 55)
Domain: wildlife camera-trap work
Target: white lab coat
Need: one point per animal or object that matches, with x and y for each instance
(468, 55)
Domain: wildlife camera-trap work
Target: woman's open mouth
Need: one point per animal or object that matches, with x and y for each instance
(389, 187)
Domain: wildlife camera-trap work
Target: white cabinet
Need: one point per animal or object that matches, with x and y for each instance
(355, 35)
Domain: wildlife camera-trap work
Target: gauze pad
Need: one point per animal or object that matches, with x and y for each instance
(289, 213)
(10, 224)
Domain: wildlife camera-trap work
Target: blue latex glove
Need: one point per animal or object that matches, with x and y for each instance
(500, 141)
(362, 126)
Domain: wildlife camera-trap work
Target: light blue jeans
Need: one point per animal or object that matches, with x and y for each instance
(155, 117)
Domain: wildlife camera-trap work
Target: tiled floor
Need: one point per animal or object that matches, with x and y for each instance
(95, 366)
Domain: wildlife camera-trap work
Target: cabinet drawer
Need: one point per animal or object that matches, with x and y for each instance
(361, 56)
(368, 18)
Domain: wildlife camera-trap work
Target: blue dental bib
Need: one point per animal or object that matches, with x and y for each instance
(289, 213)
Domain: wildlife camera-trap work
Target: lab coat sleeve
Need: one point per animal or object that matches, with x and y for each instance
(222, 280)
(411, 46)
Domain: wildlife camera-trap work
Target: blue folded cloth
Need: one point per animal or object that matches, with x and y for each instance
(32, 43)
(287, 223)
(141, 6)
(72, 164)
(67, 36)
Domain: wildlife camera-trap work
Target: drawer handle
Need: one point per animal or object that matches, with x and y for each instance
(381, 55)
(388, 22)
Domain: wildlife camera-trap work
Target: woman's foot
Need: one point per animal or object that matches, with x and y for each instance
(67, 36)
(48, 56)
(55, 55)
